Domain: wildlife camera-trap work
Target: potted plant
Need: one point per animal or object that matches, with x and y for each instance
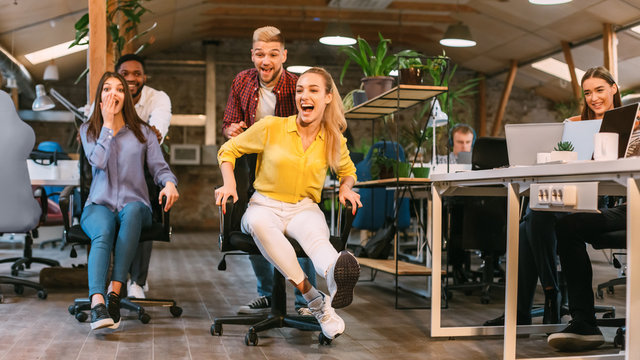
(564, 152)
(376, 65)
(411, 69)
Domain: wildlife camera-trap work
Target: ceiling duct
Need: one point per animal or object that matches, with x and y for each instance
(13, 68)
(360, 4)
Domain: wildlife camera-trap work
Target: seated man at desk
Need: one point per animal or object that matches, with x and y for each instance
(572, 232)
(461, 139)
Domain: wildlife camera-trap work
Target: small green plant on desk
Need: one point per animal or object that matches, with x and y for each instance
(381, 166)
(564, 146)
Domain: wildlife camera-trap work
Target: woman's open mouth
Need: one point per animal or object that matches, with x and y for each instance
(307, 108)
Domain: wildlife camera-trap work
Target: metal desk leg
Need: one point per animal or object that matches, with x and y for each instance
(511, 291)
(632, 338)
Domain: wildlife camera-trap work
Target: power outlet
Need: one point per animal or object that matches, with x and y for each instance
(564, 197)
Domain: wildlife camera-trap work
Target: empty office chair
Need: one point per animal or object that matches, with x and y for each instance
(234, 242)
(19, 211)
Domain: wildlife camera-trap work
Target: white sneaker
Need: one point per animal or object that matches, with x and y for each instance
(342, 278)
(134, 290)
(332, 325)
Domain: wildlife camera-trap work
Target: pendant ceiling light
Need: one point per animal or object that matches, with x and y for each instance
(338, 34)
(51, 72)
(458, 35)
(549, 2)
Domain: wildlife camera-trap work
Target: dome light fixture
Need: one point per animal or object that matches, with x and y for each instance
(42, 101)
(458, 35)
(549, 2)
(338, 34)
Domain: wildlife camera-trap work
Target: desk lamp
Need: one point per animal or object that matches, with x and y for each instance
(437, 118)
(44, 102)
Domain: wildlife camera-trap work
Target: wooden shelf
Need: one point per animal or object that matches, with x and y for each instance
(389, 266)
(392, 182)
(398, 98)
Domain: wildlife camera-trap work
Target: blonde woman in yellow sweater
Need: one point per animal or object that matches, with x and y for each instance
(294, 154)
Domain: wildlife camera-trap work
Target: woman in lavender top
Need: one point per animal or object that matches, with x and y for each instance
(118, 144)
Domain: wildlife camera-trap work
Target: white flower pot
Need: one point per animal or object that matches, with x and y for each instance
(564, 156)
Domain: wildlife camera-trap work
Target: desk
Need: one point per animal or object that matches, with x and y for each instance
(613, 178)
(397, 267)
(57, 182)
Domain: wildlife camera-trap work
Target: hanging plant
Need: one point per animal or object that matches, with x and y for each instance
(131, 11)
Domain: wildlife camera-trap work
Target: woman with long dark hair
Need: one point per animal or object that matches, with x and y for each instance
(118, 144)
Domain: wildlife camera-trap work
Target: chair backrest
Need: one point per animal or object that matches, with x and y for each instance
(489, 153)
(19, 211)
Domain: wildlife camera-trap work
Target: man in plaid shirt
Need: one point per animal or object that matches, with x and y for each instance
(267, 89)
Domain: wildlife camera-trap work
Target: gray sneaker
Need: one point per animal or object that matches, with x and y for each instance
(259, 305)
(332, 325)
(342, 278)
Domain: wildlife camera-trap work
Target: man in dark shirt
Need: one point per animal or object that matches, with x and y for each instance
(265, 90)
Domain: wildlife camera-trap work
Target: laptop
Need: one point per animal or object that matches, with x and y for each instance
(525, 141)
(620, 120)
(581, 133)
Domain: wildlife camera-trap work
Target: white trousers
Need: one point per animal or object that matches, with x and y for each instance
(271, 221)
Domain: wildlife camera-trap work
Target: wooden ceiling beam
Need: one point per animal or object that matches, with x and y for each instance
(301, 13)
(433, 7)
(246, 3)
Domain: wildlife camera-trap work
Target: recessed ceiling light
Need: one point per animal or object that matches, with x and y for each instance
(549, 2)
(556, 68)
(54, 52)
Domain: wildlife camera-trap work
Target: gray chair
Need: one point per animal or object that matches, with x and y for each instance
(19, 211)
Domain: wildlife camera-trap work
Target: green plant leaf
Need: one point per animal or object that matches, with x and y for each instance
(82, 23)
(82, 74)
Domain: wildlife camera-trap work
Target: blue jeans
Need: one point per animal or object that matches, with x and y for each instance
(264, 276)
(106, 227)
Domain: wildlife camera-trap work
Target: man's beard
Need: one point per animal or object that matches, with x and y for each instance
(138, 92)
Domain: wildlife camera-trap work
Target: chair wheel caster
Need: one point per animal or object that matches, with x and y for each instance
(175, 311)
(42, 294)
(323, 340)
(609, 315)
(610, 290)
(600, 294)
(81, 316)
(251, 338)
(216, 329)
(144, 318)
(18, 289)
(618, 340)
(72, 309)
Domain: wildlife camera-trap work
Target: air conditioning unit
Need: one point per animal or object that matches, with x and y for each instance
(185, 154)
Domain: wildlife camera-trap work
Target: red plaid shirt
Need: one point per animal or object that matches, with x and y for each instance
(243, 99)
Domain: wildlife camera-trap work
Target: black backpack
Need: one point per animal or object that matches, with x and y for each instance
(380, 245)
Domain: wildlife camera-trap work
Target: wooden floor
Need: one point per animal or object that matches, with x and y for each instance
(186, 270)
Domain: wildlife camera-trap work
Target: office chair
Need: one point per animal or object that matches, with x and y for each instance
(160, 230)
(19, 211)
(232, 239)
(479, 222)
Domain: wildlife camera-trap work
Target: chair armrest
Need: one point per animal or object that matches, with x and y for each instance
(166, 223)
(344, 228)
(225, 225)
(40, 194)
(64, 201)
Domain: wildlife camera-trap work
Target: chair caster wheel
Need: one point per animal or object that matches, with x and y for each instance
(18, 289)
(216, 329)
(618, 340)
(42, 294)
(72, 309)
(144, 318)
(610, 290)
(81, 316)
(323, 340)
(251, 338)
(175, 311)
(609, 315)
(599, 294)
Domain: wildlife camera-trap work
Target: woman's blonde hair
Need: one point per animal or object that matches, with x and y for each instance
(333, 121)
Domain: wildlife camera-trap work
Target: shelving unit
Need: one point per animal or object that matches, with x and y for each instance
(399, 98)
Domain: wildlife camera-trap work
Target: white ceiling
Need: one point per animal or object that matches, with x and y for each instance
(504, 30)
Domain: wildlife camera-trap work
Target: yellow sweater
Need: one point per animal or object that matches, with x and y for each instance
(284, 171)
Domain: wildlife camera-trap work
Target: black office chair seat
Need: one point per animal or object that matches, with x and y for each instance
(160, 230)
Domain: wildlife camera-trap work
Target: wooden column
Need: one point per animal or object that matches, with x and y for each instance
(210, 128)
(610, 43)
(497, 123)
(481, 126)
(566, 49)
(97, 54)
